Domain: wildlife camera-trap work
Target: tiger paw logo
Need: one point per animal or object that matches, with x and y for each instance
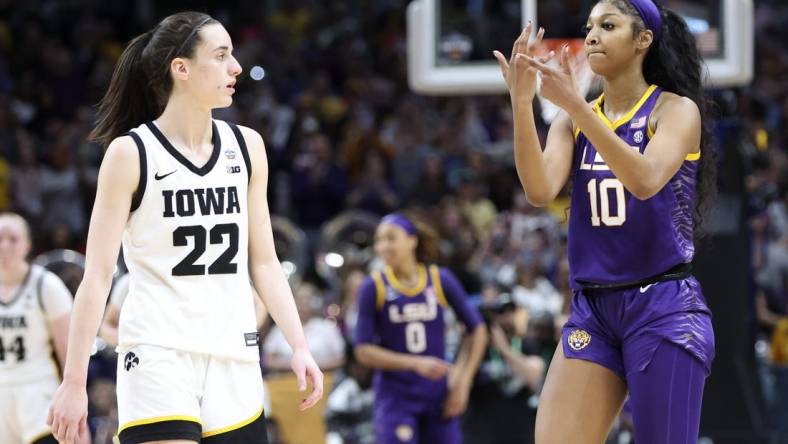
(130, 361)
(404, 432)
(578, 339)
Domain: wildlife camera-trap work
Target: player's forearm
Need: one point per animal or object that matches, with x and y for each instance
(477, 347)
(528, 157)
(377, 357)
(85, 320)
(271, 284)
(260, 312)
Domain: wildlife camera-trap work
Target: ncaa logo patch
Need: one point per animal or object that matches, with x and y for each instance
(404, 432)
(230, 154)
(130, 361)
(638, 137)
(578, 339)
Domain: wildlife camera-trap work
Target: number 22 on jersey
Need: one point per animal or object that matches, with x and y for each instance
(599, 193)
(222, 265)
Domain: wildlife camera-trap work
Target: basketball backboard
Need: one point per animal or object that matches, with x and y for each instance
(450, 42)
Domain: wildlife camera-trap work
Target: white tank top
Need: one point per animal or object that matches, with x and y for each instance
(186, 248)
(26, 353)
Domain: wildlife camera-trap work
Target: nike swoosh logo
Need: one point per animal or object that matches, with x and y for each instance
(645, 289)
(157, 177)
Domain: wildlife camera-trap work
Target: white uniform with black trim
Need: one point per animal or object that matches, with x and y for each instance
(29, 374)
(187, 334)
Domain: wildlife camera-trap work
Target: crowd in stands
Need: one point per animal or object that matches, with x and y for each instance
(343, 131)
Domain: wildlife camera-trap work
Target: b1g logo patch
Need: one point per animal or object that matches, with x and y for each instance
(404, 432)
(578, 339)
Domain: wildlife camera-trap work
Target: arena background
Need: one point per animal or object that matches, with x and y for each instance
(326, 85)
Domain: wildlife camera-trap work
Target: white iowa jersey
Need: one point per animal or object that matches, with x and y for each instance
(26, 353)
(186, 248)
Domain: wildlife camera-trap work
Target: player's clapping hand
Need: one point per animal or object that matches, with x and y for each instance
(304, 366)
(558, 83)
(68, 414)
(519, 76)
(431, 368)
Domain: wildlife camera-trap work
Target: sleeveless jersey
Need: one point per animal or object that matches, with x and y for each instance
(614, 237)
(186, 248)
(412, 320)
(26, 353)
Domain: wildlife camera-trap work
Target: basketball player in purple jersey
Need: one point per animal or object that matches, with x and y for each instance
(639, 162)
(401, 333)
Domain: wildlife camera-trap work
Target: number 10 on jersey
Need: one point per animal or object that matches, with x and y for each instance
(599, 195)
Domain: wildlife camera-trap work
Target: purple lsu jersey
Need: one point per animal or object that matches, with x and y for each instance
(411, 320)
(615, 238)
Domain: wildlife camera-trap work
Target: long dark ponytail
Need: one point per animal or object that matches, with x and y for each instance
(141, 83)
(674, 63)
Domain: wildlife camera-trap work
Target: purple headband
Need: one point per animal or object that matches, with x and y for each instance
(650, 14)
(400, 221)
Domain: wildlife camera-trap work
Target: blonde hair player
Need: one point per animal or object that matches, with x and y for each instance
(186, 196)
(35, 307)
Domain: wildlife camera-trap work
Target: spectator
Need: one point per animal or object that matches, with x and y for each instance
(374, 192)
(318, 184)
(479, 210)
(499, 408)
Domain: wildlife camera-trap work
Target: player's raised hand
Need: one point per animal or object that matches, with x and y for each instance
(68, 414)
(431, 368)
(305, 367)
(558, 84)
(519, 77)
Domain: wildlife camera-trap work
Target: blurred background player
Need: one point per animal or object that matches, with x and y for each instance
(401, 331)
(195, 227)
(641, 170)
(35, 307)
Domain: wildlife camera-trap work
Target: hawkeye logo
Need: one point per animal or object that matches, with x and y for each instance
(130, 361)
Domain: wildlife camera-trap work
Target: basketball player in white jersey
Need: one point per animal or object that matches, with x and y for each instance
(186, 195)
(34, 311)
